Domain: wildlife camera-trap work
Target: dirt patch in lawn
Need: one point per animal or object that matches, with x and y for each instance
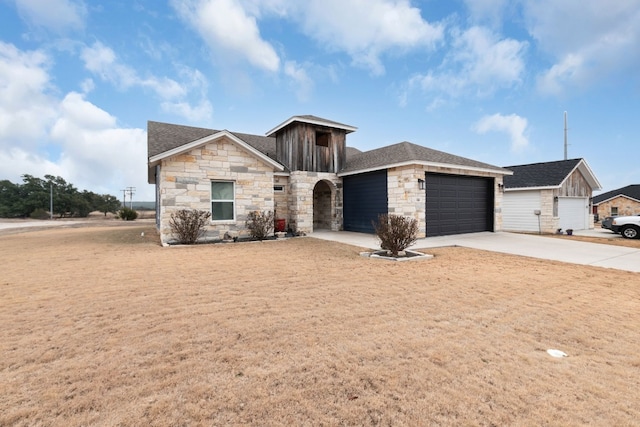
(102, 326)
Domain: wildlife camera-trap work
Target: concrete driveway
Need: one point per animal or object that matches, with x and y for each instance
(564, 250)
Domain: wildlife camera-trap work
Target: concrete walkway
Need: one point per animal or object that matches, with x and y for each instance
(564, 250)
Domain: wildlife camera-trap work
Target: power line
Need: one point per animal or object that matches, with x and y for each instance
(130, 191)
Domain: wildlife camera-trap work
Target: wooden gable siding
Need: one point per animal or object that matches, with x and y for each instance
(296, 148)
(575, 186)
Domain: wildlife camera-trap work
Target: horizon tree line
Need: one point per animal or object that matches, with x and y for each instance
(32, 198)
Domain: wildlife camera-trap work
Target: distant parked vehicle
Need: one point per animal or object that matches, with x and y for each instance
(628, 226)
(606, 223)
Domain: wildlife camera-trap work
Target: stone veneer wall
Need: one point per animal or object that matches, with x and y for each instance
(625, 205)
(549, 220)
(185, 183)
(405, 198)
(300, 199)
(281, 199)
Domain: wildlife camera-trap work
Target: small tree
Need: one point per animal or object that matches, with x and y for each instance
(127, 214)
(188, 225)
(260, 224)
(107, 203)
(396, 233)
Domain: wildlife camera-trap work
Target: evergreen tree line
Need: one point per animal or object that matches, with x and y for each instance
(32, 199)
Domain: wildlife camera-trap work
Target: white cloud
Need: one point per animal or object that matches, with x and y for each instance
(490, 11)
(200, 113)
(513, 125)
(72, 138)
(102, 61)
(479, 61)
(303, 85)
(590, 40)
(96, 154)
(53, 15)
(26, 108)
(364, 29)
(229, 31)
(367, 29)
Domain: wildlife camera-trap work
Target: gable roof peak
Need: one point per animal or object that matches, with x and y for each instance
(631, 191)
(548, 174)
(314, 120)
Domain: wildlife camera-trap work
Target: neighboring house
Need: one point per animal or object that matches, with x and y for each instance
(623, 201)
(545, 197)
(304, 171)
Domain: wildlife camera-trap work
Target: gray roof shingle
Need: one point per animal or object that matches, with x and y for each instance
(406, 152)
(632, 191)
(162, 137)
(547, 174)
(308, 118)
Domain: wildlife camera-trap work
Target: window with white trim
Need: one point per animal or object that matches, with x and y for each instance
(614, 211)
(222, 201)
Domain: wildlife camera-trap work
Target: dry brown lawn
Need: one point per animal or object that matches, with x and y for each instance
(103, 327)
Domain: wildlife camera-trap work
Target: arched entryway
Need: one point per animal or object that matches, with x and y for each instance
(322, 206)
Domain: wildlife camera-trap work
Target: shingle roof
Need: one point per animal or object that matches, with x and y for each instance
(352, 151)
(163, 137)
(264, 144)
(307, 118)
(407, 152)
(632, 191)
(547, 174)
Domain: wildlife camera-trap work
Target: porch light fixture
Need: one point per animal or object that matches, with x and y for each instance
(501, 187)
(421, 184)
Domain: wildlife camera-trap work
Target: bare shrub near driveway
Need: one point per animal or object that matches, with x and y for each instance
(396, 233)
(306, 332)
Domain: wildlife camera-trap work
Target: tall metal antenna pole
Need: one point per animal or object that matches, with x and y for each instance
(566, 142)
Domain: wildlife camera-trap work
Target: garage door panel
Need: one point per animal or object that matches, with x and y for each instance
(573, 213)
(458, 204)
(365, 197)
(518, 210)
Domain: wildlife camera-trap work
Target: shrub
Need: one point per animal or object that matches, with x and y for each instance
(127, 214)
(260, 224)
(188, 225)
(39, 214)
(396, 233)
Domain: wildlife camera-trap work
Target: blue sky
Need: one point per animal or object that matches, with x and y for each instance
(484, 79)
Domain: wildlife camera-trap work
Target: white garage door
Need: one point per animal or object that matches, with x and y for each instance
(518, 209)
(573, 213)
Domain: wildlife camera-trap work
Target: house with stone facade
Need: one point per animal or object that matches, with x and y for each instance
(545, 197)
(620, 202)
(304, 171)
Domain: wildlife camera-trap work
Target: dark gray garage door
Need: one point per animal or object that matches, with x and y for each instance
(365, 197)
(458, 204)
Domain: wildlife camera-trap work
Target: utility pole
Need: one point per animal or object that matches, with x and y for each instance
(124, 198)
(566, 142)
(131, 191)
(51, 200)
